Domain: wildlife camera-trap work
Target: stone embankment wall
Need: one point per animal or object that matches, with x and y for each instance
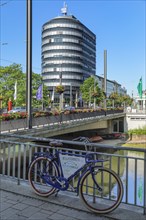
(135, 137)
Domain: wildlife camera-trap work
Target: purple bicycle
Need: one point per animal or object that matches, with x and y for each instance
(100, 189)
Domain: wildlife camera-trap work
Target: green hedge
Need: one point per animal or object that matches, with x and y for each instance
(137, 131)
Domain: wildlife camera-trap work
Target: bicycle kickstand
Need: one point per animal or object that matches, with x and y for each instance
(56, 193)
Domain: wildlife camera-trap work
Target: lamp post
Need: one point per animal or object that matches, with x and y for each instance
(105, 76)
(70, 94)
(29, 62)
(61, 94)
(76, 99)
(90, 97)
(94, 91)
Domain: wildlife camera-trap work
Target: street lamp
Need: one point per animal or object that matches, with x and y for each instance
(90, 97)
(61, 94)
(70, 94)
(105, 76)
(94, 91)
(29, 61)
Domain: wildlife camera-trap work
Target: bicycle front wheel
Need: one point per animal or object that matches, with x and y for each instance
(41, 169)
(101, 190)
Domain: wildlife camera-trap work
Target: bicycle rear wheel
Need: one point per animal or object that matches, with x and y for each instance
(103, 196)
(37, 175)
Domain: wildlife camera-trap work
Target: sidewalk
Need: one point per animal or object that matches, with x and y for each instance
(18, 202)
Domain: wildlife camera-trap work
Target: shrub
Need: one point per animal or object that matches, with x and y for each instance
(138, 131)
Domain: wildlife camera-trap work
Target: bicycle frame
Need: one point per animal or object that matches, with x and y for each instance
(62, 183)
(50, 172)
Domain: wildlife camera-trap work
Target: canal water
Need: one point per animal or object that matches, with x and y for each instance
(133, 184)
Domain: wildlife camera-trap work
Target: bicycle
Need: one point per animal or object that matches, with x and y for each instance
(100, 189)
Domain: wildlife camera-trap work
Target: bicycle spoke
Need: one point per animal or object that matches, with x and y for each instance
(104, 191)
(39, 171)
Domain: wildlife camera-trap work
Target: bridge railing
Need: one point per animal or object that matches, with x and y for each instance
(22, 124)
(128, 163)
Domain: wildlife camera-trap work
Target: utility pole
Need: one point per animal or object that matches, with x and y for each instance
(29, 61)
(70, 94)
(61, 95)
(105, 76)
(94, 91)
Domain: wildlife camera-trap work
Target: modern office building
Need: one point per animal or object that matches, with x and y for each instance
(69, 57)
(68, 53)
(112, 86)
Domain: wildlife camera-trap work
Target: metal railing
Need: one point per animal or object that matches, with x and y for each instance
(129, 163)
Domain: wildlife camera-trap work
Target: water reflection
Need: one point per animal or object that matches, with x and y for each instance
(133, 178)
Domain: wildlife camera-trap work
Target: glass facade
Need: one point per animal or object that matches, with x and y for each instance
(111, 86)
(68, 53)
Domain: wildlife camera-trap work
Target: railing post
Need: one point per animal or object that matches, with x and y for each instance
(19, 164)
(144, 211)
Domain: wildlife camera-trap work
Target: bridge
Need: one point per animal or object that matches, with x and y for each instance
(62, 124)
(17, 145)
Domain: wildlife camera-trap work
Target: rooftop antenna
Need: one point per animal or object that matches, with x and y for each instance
(64, 9)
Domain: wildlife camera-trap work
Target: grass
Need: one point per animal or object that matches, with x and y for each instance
(138, 131)
(137, 145)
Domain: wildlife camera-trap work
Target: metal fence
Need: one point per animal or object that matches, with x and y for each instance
(128, 163)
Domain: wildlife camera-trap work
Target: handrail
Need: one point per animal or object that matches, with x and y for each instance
(77, 143)
(17, 154)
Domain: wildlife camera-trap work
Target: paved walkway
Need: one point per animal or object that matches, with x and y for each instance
(18, 202)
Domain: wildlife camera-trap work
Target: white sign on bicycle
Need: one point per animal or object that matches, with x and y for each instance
(70, 164)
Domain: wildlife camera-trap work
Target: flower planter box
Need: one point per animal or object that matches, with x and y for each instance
(22, 123)
(13, 124)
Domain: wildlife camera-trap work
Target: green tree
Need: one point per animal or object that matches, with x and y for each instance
(114, 96)
(8, 77)
(127, 100)
(91, 90)
(119, 99)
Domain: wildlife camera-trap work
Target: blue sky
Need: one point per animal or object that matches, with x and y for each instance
(120, 28)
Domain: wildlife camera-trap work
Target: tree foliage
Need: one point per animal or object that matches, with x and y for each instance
(119, 99)
(8, 77)
(91, 90)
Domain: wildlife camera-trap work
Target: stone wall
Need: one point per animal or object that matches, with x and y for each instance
(140, 137)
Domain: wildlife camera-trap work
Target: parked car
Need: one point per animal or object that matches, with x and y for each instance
(70, 108)
(3, 110)
(17, 109)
